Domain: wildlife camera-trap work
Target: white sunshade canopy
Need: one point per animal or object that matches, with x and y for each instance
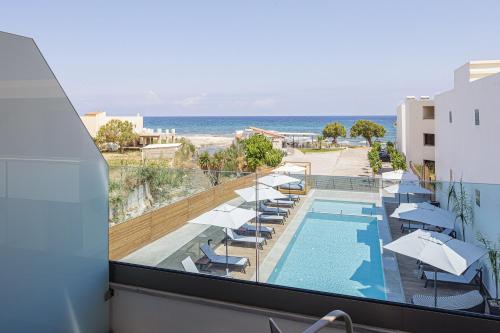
(275, 179)
(405, 188)
(439, 250)
(400, 175)
(259, 192)
(225, 216)
(426, 213)
(290, 168)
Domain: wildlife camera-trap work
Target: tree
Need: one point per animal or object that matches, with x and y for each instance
(462, 206)
(367, 129)
(257, 147)
(273, 158)
(185, 153)
(212, 165)
(334, 130)
(118, 132)
(398, 160)
(494, 258)
(320, 139)
(235, 158)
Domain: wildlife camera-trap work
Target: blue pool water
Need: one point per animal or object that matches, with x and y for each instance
(342, 207)
(334, 253)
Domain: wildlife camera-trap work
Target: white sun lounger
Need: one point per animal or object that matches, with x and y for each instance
(190, 267)
(471, 301)
(272, 219)
(272, 210)
(281, 203)
(247, 227)
(240, 262)
(466, 278)
(235, 238)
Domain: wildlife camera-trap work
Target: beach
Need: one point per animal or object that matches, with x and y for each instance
(214, 141)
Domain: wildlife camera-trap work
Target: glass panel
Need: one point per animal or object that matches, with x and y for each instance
(53, 203)
(332, 237)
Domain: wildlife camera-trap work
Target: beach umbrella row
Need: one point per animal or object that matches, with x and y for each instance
(407, 188)
(438, 250)
(400, 175)
(225, 216)
(425, 212)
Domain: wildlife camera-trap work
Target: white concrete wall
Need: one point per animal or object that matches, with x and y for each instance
(470, 151)
(411, 127)
(135, 311)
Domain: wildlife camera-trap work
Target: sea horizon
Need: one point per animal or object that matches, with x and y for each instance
(227, 125)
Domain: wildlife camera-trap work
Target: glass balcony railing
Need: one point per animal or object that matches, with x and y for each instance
(429, 244)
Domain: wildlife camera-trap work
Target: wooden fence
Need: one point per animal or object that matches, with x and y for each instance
(129, 236)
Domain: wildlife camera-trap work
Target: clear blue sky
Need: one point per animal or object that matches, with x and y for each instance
(255, 57)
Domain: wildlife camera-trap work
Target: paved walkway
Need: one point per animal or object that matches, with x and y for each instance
(321, 163)
(352, 162)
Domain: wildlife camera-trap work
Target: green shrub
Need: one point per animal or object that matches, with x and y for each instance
(398, 160)
(374, 158)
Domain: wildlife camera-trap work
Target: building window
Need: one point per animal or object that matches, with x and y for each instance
(450, 116)
(476, 117)
(428, 112)
(428, 139)
(478, 198)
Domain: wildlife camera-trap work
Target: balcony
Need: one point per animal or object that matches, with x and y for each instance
(320, 249)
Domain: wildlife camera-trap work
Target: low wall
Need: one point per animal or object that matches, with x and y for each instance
(129, 236)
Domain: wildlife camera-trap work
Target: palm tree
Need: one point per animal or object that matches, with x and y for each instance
(320, 139)
(462, 206)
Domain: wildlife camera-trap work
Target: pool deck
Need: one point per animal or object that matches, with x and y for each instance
(400, 272)
(411, 282)
(391, 270)
(268, 264)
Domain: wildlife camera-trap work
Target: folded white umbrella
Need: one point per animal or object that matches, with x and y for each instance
(441, 251)
(406, 188)
(259, 192)
(225, 216)
(426, 213)
(290, 168)
(400, 175)
(275, 179)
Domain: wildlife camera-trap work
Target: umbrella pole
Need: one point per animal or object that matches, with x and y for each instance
(435, 288)
(257, 225)
(227, 262)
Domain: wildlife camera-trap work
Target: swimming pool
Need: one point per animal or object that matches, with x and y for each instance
(334, 253)
(342, 207)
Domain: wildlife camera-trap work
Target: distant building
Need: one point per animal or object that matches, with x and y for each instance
(94, 120)
(159, 151)
(275, 137)
(416, 130)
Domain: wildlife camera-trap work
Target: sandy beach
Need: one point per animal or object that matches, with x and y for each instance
(209, 140)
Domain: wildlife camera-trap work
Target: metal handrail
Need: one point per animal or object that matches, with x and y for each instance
(323, 322)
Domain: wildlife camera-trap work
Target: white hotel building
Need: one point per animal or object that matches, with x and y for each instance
(415, 130)
(466, 124)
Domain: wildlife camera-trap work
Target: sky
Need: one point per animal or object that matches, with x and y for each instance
(253, 58)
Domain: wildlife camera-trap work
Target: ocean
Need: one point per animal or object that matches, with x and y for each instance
(226, 126)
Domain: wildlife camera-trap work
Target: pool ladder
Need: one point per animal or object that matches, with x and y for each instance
(323, 322)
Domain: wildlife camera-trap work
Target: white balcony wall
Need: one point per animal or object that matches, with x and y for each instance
(53, 203)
